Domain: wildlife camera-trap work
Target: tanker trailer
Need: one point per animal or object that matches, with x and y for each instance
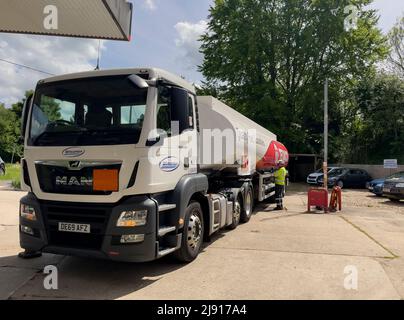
(229, 142)
(237, 137)
(105, 180)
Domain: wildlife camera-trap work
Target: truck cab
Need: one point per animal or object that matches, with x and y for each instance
(111, 169)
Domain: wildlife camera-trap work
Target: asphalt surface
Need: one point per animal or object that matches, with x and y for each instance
(277, 255)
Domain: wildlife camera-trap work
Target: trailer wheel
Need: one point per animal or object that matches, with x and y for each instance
(248, 206)
(236, 215)
(192, 236)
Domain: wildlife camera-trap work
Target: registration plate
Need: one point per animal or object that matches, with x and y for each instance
(74, 227)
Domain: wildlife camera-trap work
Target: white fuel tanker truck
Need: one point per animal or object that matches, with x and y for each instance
(131, 165)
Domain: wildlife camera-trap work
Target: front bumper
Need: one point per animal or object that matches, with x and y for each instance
(321, 183)
(376, 189)
(393, 192)
(104, 239)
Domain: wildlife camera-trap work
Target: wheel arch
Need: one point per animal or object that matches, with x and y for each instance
(188, 188)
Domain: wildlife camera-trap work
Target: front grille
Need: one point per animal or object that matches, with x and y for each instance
(95, 216)
(49, 174)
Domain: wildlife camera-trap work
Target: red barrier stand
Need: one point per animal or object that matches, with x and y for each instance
(318, 197)
(336, 199)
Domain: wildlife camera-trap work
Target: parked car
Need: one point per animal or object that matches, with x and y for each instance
(347, 177)
(376, 186)
(394, 188)
(313, 178)
(2, 167)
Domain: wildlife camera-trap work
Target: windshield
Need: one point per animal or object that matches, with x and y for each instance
(337, 172)
(396, 175)
(321, 170)
(90, 111)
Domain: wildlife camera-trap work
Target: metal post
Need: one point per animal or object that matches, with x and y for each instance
(12, 157)
(325, 164)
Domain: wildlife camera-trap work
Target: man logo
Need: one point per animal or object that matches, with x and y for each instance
(74, 164)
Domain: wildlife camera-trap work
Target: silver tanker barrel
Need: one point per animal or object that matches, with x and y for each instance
(228, 139)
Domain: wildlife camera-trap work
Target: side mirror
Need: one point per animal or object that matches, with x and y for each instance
(179, 108)
(138, 81)
(25, 113)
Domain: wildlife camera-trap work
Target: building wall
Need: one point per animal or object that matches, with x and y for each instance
(376, 171)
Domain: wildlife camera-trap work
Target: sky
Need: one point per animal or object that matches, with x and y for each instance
(164, 34)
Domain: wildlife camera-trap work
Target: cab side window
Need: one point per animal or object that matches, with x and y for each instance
(163, 110)
(165, 114)
(164, 118)
(191, 113)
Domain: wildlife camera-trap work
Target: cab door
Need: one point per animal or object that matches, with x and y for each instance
(177, 132)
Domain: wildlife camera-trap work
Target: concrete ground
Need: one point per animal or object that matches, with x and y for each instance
(288, 255)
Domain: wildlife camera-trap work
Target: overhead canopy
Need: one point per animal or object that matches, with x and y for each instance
(98, 19)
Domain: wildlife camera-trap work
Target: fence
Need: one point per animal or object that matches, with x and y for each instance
(376, 171)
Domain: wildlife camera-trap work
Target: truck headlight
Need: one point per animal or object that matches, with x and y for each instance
(132, 219)
(27, 212)
(27, 230)
(132, 238)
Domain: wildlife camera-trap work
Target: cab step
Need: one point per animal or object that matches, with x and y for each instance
(164, 230)
(166, 207)
(165, 251)
(175, 240)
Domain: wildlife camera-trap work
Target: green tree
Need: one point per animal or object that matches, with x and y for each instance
(10, 130)
(377, 128)
(9, 133)
(396, 41)
(269, 59)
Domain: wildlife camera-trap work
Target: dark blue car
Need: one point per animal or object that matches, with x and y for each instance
(2, 167)
(376, 186)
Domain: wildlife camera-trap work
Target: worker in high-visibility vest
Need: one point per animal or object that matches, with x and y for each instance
(280, 180)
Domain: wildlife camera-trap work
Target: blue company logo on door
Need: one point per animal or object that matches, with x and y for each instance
(169, 164)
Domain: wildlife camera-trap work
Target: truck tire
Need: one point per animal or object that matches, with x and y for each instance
(192, 234)
(236, 215)
(340, 184)
(248, 206)
(2, 171)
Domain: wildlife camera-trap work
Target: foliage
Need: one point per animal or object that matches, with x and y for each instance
(12, 173)
(16, 184)
(377, 129)
(396, 41)
(10, 130)
(269, 60)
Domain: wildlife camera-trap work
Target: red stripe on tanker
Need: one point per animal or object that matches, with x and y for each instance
(276, 151)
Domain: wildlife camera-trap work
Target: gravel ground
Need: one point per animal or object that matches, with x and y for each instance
(356, 198)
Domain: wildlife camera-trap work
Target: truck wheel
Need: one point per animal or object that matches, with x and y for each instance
(248, 206)
(2, 171)
(340, 184)
(236, 215)
(192, 237)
